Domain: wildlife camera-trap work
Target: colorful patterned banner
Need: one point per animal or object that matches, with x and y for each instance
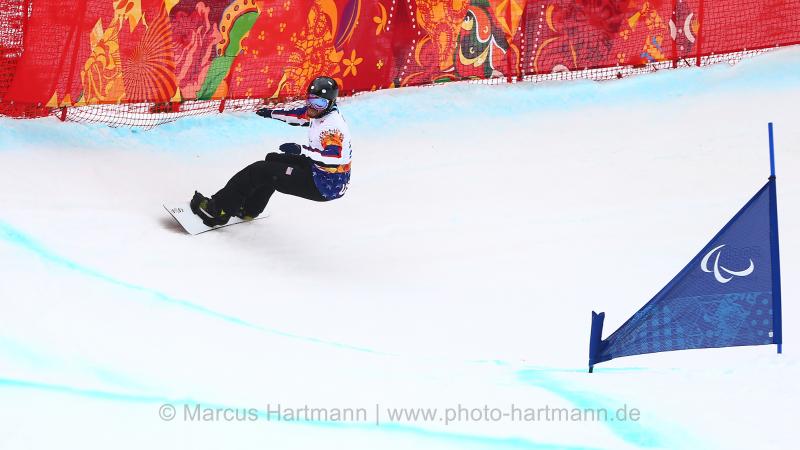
(56, 55)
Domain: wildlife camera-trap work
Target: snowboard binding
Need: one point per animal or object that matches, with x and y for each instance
(207, 211)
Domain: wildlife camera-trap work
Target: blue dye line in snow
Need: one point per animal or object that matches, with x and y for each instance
(633, 432)
(539, 377)
(10, 348)
(18, 238)
(488, 441)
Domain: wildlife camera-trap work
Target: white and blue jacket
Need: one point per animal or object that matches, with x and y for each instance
(328, 146)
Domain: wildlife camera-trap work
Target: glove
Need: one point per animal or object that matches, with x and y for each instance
(290, 148)
(265, 112)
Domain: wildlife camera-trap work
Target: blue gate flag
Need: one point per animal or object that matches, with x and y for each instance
(727, 296)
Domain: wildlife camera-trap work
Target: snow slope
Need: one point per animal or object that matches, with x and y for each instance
(482, 226)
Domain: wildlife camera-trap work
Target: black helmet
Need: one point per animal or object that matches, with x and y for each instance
(324, 87)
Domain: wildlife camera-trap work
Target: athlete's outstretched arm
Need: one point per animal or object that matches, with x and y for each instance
(296, 116)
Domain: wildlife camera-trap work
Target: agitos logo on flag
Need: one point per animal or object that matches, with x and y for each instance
(719, 277)
(728, 295)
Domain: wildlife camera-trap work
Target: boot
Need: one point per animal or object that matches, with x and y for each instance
(207, 211)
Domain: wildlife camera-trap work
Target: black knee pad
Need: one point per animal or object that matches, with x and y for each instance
(272, 156)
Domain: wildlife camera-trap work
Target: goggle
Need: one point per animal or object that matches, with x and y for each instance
(318, 103)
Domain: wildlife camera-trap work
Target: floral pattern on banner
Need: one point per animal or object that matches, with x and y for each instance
(294, 41)
(148, 67)
(162, 51)
(194, 40)
(464, 39)
(131, 60)
(580, 34)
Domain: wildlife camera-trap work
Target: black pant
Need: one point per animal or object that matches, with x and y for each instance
(249, 191)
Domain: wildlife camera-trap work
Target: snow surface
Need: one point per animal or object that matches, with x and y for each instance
(482, 226)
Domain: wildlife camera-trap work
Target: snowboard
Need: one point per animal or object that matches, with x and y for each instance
(182, 213)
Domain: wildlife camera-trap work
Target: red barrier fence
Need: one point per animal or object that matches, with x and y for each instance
(145, 62)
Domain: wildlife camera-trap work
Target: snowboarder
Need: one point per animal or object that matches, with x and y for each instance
(319, 171)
